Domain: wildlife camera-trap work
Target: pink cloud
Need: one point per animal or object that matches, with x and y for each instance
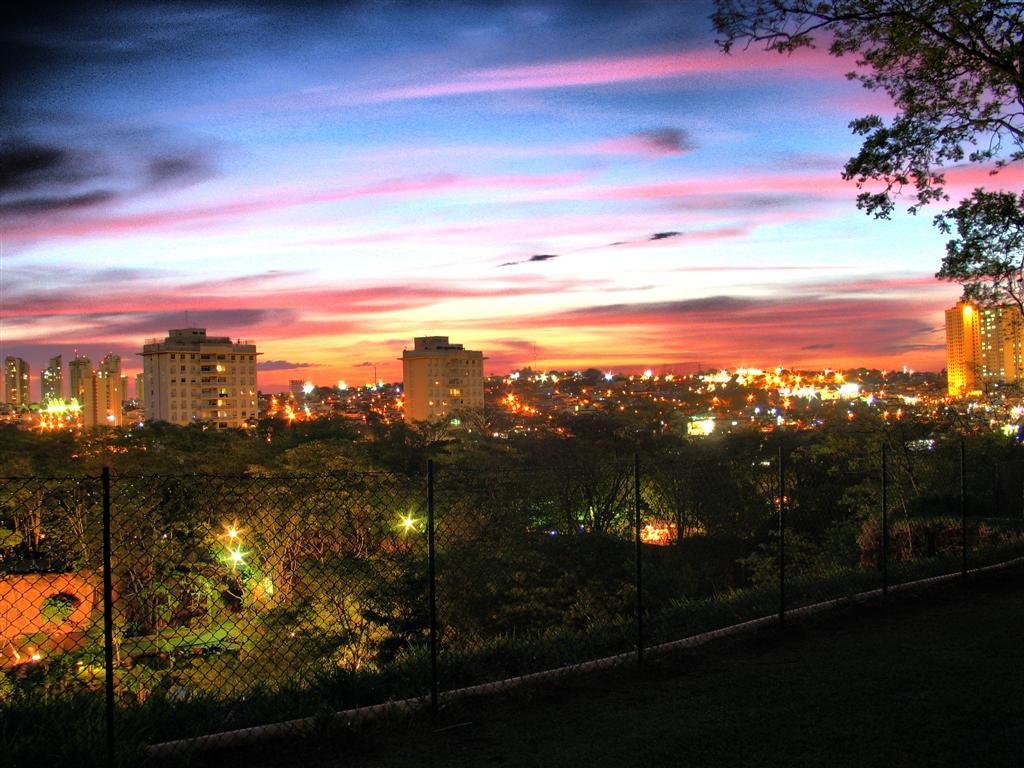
(623, 69)
(174, 218)
(216, 295)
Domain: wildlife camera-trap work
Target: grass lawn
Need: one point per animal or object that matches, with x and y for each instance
(934, 679)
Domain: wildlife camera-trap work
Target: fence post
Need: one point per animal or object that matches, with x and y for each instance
(639, 562)
(432, 586)
(108, 621)
(782, 537)
(885, 519)
(963, 507)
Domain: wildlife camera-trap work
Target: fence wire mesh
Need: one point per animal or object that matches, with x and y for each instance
(699, 518)
(534, 570)
(51, 628)
(243, 601)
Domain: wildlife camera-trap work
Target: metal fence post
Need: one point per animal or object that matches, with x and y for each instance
(108, 620)
(963, 506)
(885, 519)
(639, 562)
(782, 537)
(432, 586)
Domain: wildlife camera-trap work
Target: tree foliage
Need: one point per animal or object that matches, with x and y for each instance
(988, 255)
(955, 73)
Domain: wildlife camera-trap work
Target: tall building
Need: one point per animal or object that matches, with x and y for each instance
(51, 381)
(110, 366)
(1002, 334)
(984, 346)
(16, 380)
(101, 400)
(140, 388)
(963, 349)
(79, 370)
(440, 378)
(191, 377)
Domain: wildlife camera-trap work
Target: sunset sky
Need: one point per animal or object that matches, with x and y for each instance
(557, 184)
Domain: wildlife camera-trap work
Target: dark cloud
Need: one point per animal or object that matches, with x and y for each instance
(516, 345)
(666, 141)
(22, 164)
(823, 345)
(918, 347)
(178, 169)
(36, 205)
(218, 321)
(26, 165)
(535, 257)
(44, 178)
(42, 44)
(744, 202)
(280, 365)
(664, 235)
(36, 289)
(684, 307)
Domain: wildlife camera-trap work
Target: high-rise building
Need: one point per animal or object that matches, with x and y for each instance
(101, 400)
(984, 346)
(16, 380)
(51, 381)
(440, 378)
(140, 388)
(110, 366)
(1002, 334)
(963, 349)
(191, 377)
(103, 394)
(79, 370)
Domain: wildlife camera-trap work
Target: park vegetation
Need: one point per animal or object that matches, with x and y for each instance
(252, 564)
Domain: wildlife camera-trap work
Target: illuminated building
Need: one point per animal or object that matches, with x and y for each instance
(1002, 332)
(51, 381)
(16, 380)
(140, 388)
(79, 370)
(983, 346)
(963, 349)
(440, 378)
(191, 377)
(110, 367)
(101, 400)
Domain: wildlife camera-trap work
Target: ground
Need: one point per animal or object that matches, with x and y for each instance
(934, 679)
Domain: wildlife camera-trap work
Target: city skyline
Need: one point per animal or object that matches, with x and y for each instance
(557, 184)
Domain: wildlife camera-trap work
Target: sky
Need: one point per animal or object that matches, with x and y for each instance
(561, 185)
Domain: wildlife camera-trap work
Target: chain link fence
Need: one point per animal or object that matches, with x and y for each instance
(161, 610)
